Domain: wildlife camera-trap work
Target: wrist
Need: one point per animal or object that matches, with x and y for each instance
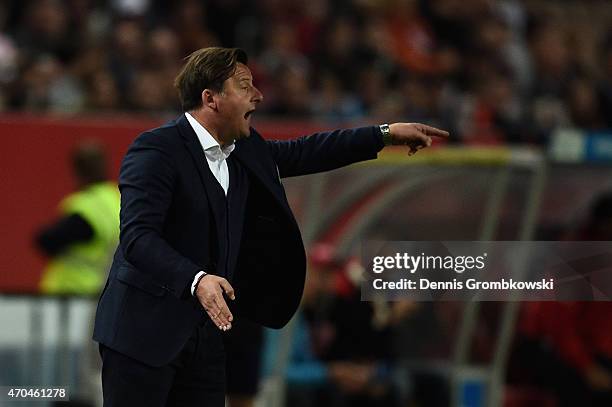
(385, 131)
(196, 281)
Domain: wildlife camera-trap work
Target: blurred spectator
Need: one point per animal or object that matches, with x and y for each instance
(47, 85)
(340, 52)
(79, 246)
(428, 99)
(280, 49)
(338, 354)
(148, 92)
(331, 103)
(553, 70)
(188, 21)
(163, 50)
(9, 56)
(45, 29)
(288, 96)
(412, 43)
(583, 102)
(493, 113)
(130, 8)
(127, 56)
(103, 93)
(81, 242)
(606, 83)
(566, 346)
(310, 25)
(373, 86)
(495, 41)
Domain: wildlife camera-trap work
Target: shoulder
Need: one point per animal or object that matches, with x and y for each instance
(165, 137)
(254, 142)
(71, 201)
(256, 138)
(80, 202)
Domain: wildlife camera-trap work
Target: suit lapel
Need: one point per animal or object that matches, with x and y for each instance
(246, 152)
(211, 186)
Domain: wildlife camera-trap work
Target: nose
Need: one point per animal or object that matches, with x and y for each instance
(258, 96)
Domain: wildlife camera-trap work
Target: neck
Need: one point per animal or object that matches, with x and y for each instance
(209, 124)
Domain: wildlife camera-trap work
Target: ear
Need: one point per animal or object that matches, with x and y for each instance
(209, 99)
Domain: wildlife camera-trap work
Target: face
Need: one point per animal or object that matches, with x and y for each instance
(237, 102)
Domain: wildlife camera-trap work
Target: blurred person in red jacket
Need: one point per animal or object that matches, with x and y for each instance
(351, 336)
(572, 341)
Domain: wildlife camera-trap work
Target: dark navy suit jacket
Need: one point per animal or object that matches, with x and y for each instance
(168, 234)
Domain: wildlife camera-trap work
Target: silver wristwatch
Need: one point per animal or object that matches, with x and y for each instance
(385, 130)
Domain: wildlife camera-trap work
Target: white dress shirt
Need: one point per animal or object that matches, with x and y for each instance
(216, 157)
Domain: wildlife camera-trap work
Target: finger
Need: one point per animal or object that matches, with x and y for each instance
(215, 319)
(415, 147)
(432, 131)
(210, 305)
(418, 141)
(216, 316)
(214, 311)
(418, 145)
(225, 315)
(227, 287)
(419, 138)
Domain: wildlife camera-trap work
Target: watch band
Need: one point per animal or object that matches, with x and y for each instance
(385, 130)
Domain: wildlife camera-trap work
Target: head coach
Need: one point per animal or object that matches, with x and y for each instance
(205, 223)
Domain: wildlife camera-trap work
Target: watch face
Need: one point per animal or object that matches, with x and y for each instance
(386, 133)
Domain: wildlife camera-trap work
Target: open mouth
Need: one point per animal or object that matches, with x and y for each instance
(248, 114)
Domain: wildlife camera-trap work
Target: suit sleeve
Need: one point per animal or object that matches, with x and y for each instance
(146, 182)
(325, 151)
(69, 230)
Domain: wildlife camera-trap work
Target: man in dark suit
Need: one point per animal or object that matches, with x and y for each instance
(205, 220)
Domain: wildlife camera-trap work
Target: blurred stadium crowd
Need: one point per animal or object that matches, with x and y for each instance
(490, 71)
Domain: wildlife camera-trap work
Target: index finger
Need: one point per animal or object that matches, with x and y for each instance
(432, 131)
